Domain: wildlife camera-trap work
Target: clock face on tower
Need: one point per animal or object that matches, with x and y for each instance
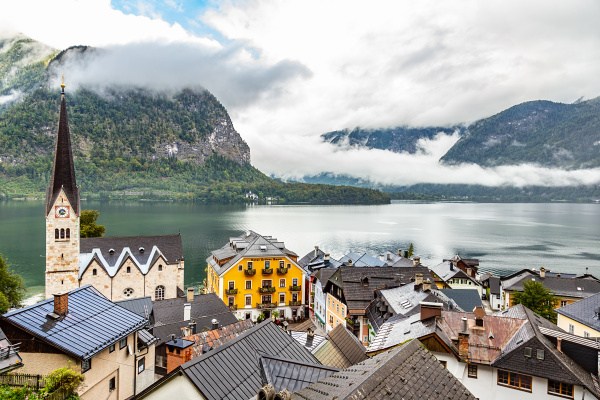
(62, 212)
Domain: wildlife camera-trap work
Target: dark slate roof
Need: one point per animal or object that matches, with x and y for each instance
(233, 372)
(9, 355)
(494, 283)
(63, 167)
(467, 299)
(168, 315)
(342, 350)
(312, 256)
(92, 323)
(555, 365)
(586, 311)
(142, 306)
(408, 372)
(146, 337)
(142, 250)
(360, 283)
(560, 286)
(291, 375)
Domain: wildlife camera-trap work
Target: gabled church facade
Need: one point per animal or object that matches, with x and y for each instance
(120, 268)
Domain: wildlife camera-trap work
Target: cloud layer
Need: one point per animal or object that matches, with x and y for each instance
(289, 71)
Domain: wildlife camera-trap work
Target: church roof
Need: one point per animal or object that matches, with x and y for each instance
(112, 252)
(63, 169)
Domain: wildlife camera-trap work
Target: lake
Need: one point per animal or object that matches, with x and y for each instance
(561, 237)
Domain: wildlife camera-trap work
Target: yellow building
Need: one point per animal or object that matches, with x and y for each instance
(255, 274)
(581, 318)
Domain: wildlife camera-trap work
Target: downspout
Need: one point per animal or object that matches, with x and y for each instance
(135, 364)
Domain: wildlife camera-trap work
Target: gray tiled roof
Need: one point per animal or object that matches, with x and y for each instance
(146, 337)
(292, 375)
(92, 323)
(494, 282)
(232, 371)
(467, 299)
(409, 372)
(250, 245)
(168, 315)
(142, 306)
(580, 287)
(445, 273)
(309, 343)
(362, 260)
(342, 350)
(585, 311)
(169, 246)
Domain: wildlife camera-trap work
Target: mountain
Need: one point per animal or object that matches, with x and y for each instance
(398, 140)
(542, 132)
(130, 142)
(548, 134)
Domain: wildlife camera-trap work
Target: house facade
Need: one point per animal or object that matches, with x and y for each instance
(119, 268)
(581, 318)
(254, 275)
(85, 331)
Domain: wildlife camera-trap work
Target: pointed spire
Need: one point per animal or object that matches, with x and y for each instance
(63, 169)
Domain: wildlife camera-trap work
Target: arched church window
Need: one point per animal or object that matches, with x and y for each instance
(159, 293)
(56, 233)
(62, 233)
(68, 233)
(128, 292)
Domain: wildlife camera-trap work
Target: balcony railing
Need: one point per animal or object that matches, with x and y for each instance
(233, 307)
(267, 289)
(296, 288)
(249, 272)
(295, 303)
(282, 271)
(261, 306)
(267, 271)
(231, 291)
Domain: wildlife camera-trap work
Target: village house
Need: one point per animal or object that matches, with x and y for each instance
(257, 275)
(350, 290)
(448, 275)
(119, 268)
(581, 318)
(567, 288)
(499, 357)
(85, 331)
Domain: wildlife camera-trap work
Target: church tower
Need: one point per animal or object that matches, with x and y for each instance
(62, 214)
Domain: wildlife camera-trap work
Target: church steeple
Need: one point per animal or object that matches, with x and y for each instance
(63, 169)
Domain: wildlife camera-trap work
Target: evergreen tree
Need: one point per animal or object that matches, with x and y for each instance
(538, 299)
(12, 288)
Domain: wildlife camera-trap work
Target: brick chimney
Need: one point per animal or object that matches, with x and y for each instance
(416, 261)
(430, 310)
(61, 304)
(479, 314)
(542, 272)
(190, 294)
(418, 278)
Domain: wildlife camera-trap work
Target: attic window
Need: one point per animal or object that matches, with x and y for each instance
(263, 248)
(540, 354)
(141, 249)
(111, 251)
(527, 352)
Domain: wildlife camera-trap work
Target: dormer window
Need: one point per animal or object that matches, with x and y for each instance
(111, 251)
(141, 249)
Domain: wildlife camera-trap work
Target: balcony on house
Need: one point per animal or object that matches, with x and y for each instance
(231, 291)
(267, 271)
(249, 272)
(295, 303)
(282, 271)
(233, 307)
(295, 288)
(262, 306)
(267, 289)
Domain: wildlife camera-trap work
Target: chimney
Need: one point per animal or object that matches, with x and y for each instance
(430, 310)
(389, 257)
(418, 278)
(61, 304)
(427, 285)
(416, 261)
(542, 272)
(451, 265)
(349, 262)
(190, 295)
(215, 323)
(400, 252)
(463, 345)
(187, 311)
(479, 314)
(559, 347)
(465, 327)
(310, 333)
(192, 326)
(326, 257)
(316, 251)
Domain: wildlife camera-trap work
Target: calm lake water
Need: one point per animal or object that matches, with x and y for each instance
(562, 237)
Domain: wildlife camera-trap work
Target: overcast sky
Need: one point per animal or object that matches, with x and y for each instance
(288, 71)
